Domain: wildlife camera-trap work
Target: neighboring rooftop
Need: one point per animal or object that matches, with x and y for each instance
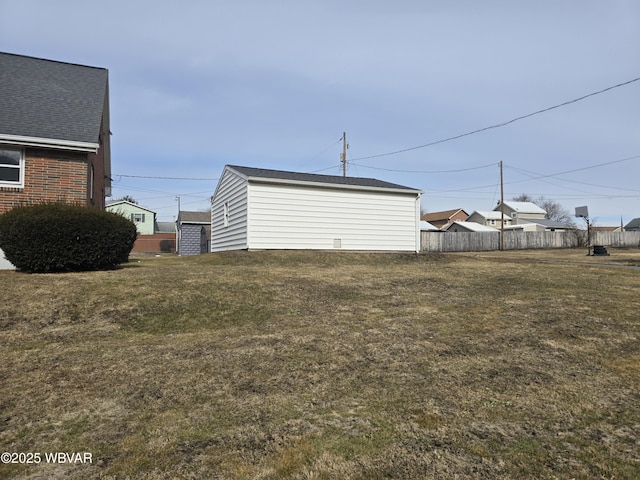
(50, 100)
(186, 216)
(523, 207)
(444, 215)
(545, 222)
(294, 177)
(491, 214)
(113, 203)
(472, 226)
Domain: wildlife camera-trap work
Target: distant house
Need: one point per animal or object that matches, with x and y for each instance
(490, 218)
(443, 219)
(633, 225)
(194, 233)
(545, 225)
(54, 132)
(459, 226)
(519, 210)
(255, 208)
(144, 218)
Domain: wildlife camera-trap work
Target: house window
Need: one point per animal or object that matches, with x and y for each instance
(11, 168)
(137, 217)
(225, 214)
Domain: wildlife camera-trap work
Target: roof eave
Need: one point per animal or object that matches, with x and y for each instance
(49, 143)
(280, 181)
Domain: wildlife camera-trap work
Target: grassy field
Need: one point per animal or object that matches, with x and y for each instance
(311, 365)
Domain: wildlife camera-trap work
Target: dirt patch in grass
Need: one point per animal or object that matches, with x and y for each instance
(326, 365)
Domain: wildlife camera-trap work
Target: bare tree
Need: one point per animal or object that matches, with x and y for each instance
(128, 198)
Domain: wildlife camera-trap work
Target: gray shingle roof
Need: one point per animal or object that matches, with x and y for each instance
(51, 100)
(635, 223)
(194, 217)
(545, 222)
(262, 173)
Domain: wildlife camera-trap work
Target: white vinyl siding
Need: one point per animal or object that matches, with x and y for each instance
(229, 214)
(143, 218)
(301, 217)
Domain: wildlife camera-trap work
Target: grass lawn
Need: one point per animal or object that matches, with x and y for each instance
(318, 365)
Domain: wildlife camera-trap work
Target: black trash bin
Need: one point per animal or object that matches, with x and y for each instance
(599, 250)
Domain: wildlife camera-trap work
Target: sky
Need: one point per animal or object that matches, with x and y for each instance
(196, 85)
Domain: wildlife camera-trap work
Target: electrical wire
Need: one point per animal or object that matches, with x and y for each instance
(468, 189)
(425, 171)
(323, 151)
(168, 178)
(503, 124)
(592, 166)
(539, 176)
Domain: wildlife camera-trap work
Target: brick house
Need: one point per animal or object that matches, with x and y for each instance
(442, 220)
(54, 132)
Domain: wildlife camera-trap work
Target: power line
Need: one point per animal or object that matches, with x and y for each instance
(590, 167)
(425, 171)
(498, 125)
(323, 151)
(169, 178)
(333, 167)
(538, 176)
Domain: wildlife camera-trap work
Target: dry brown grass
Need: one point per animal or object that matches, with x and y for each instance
(310, 365)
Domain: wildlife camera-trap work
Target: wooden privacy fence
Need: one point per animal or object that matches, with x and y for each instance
(519, 240)
(616, 239)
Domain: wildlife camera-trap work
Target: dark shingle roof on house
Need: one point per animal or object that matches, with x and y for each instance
(262, 173)
(635, 223)
(46, 99)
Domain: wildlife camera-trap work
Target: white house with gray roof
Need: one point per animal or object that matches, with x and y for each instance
(520, 210)
(490, 218)
(255, 208)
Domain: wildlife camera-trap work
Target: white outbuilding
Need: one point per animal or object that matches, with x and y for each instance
(256, 208)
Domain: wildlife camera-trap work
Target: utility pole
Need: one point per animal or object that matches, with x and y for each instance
(343, 155)
(178, 230)
(501, 209)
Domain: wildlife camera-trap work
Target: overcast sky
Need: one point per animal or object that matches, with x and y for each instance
(195, 85)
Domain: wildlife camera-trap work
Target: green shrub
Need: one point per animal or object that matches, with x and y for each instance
(56, 237)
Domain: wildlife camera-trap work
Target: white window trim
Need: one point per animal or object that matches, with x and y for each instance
(20, 167)
(137, 217)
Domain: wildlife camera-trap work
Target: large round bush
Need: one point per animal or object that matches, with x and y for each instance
(65, 238)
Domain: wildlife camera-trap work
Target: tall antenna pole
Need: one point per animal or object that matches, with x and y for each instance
(501, 209)
(343, 156)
